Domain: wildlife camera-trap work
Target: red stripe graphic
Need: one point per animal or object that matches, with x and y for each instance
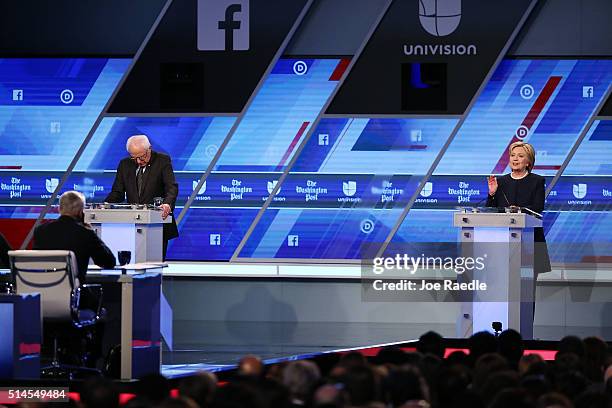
(547, 167)
(530, 119)
(10, 167)
(292, 145)
(340, 68)
(145, 343)
(29, 348)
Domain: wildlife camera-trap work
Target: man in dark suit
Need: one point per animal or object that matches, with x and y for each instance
(69, 232)
(144, 175)
(4, 248)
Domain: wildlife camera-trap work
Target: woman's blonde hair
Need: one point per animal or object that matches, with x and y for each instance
(529, 150)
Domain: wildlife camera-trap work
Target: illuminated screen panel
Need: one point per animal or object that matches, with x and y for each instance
(281, 114)
(191, 142)
(47, 107)
(580, 223)
(577, 221)
(347, 189)
(544, 102)
(266, 139)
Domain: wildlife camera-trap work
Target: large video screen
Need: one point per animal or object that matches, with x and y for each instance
(544, 102)
(348, 179)
(260, 149)
(47, 108)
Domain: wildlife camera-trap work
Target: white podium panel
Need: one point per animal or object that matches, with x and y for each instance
(130, 229)
(506, 241)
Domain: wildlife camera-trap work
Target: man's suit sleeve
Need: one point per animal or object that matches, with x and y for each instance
(99, 252)
(117, 194)
(170, 185)
(4, 248)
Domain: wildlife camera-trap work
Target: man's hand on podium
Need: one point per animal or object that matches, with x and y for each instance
(165, 210)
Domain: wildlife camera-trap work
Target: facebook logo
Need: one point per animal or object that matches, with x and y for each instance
(323, 139)
(55, 127)
(293, 240)
(215, 239)
(223, 25)
(587, 91)
(18, 94)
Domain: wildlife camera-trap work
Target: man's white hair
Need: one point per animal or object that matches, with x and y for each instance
(72, 203)
(138, 141)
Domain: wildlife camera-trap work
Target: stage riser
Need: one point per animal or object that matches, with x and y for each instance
(242, 311)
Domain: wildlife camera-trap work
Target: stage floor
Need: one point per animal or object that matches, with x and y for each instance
(217, 346)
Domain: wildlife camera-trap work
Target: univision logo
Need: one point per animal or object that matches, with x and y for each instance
(427, 189)
(271, 185)
(195, 185)
(579, 190)
(51, 184)
(440, 18)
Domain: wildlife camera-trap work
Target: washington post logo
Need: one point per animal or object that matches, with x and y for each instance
(223, 25)
(440, 17)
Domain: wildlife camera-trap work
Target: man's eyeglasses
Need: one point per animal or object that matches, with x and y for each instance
(142, 157)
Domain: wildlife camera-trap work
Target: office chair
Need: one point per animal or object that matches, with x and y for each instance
(53, 274)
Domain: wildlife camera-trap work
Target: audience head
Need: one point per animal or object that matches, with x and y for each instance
(72, 204)
(330, 396)
(238, 394)
(250, 366)
(99, 392)
(301, 377)
(512, 398)
(361, 384)
(527, 362)
(391, 355)
(481, 343)
(496, 383)
(353, 359)
(510, 344)
(570, 344)
(485, 366)
(200, 388)
(405, 384)
(595, 358)
(554, 400)
(154, 388)
(431, 343)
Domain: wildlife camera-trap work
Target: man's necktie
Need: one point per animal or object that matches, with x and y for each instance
(139, 181)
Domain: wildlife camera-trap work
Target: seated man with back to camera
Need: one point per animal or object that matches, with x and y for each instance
(70, 232)
(143, 176)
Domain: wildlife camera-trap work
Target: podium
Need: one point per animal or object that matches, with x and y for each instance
(134, 229)
(505, 242)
